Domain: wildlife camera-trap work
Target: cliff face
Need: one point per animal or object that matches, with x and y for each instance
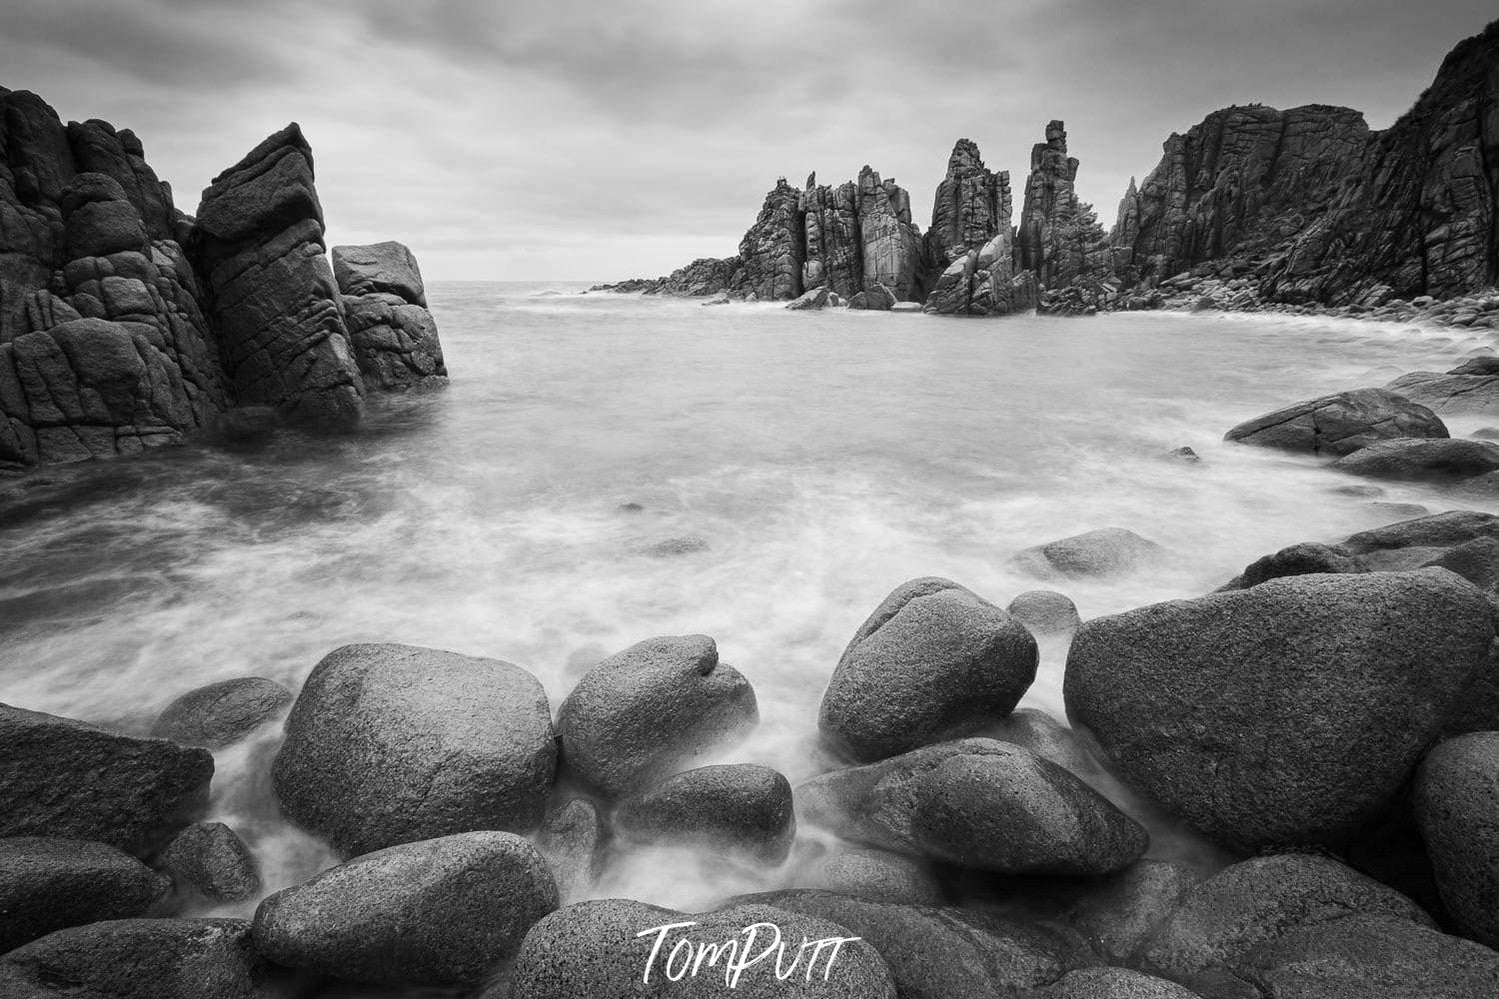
(1059, 239)
(124, 325)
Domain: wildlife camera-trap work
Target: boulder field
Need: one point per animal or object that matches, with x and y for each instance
(953, 844)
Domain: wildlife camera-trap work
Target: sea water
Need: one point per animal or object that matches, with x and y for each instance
(606, 468)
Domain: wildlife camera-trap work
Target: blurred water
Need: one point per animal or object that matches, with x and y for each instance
(822, 457)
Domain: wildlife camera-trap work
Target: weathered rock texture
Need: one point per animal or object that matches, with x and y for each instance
(1059, 239)
(125, 325)
(385, 309)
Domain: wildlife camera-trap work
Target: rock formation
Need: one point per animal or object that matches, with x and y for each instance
(890, 243)
(1059, 239)
(775, 247)
(385, 309)
(125, 324)
(833, 247)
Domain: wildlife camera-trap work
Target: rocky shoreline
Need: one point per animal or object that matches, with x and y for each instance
(1303, 208)
(1328, 721)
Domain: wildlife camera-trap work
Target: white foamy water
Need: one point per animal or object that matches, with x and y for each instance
(822, 457)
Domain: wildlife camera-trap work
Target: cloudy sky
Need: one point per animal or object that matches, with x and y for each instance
(563, 139)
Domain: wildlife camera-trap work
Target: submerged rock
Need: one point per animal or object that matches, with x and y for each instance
(1290, 713)
(933, 659)
(638, 715)
(738, 808)
(610, 948)
(390, 744)
(221, 714)
(442, 911)
(1409, 458)
(1340, 423)
(49, 884)
(571, 838)
(1111, 983)
(1456, 802)
(1045, 612)
(1108, 551)
(61, 777)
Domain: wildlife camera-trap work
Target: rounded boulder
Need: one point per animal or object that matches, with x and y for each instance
(1457, 806)
(48, 884)
(223, 713)
(740, 808)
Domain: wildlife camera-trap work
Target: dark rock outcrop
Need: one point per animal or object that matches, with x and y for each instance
(1340, 423)
(775, 247)
(61, 777)
(1291, 713)
(638, 715)
(442, 911)
(258, 244)
(1107, 551)
(385, 309)
(49, 884)
(1457, 805)
(735, 808)
(389, 744)
(1471, 387)
(933, 659)
(1059, 238)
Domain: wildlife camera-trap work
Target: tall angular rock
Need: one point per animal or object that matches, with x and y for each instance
(273, 303)
(833, 244)
(774, 248)
(1059, 238)
(385, 309)
(890, 242)
(973, 204)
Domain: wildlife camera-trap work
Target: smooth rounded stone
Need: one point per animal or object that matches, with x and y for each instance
(1371, 957)
(1457, 806)
(208, 858)
(1341, 423)
(140, 959)
(1106, 552)
(880, 876)
(1111, 983)
(1477, 561)
(1303, 559)
(1183, 455)
(1290, 713)
(602, 949)
(1224, 918)
(1043, 735)
(1410, 544)
(442, 911)
(391, 744)
(571, 838)
(1486, 434)
(223, 713)
(739, 807)
(1443, 460)
(61, 777)
(1045, 612)
(933, 660)
(641, 713)
(1400, 511)
(49, 884)
(1118, 913)
(936, 953)
(875, 804)
(1017, 813)
(1457, 391)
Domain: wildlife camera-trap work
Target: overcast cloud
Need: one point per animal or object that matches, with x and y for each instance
(558, 139)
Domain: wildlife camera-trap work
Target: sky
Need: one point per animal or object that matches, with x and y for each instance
(536, 140)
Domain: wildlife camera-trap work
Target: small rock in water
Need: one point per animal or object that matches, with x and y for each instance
(817, 298)
(722, 298)
(223, 713)
(1045, 612)
(208, 858)
(49, 884)
(638, 715)
(631, 508)
(441, 911)
(1183, 454)
(1356, 490)
(1108, 551)
(1487, 433)
(571, 839)
(1457, 806)
(672, 547)
(740, 808)
(933, 659)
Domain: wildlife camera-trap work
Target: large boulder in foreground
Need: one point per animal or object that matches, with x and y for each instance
(934, 953)
(443, 912)
(1290, 713)
(391, 744)
(221, 714)
(141, 959)
(738, 808)
(1018, 813)
(1457, 806)
(1339, 424)
(61, 777)
(932, 660)
(1224, 918)
(618, 947)
(1436, 460)
(49, 884)
(641, 713)
(1108, 551)
(980, 803)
